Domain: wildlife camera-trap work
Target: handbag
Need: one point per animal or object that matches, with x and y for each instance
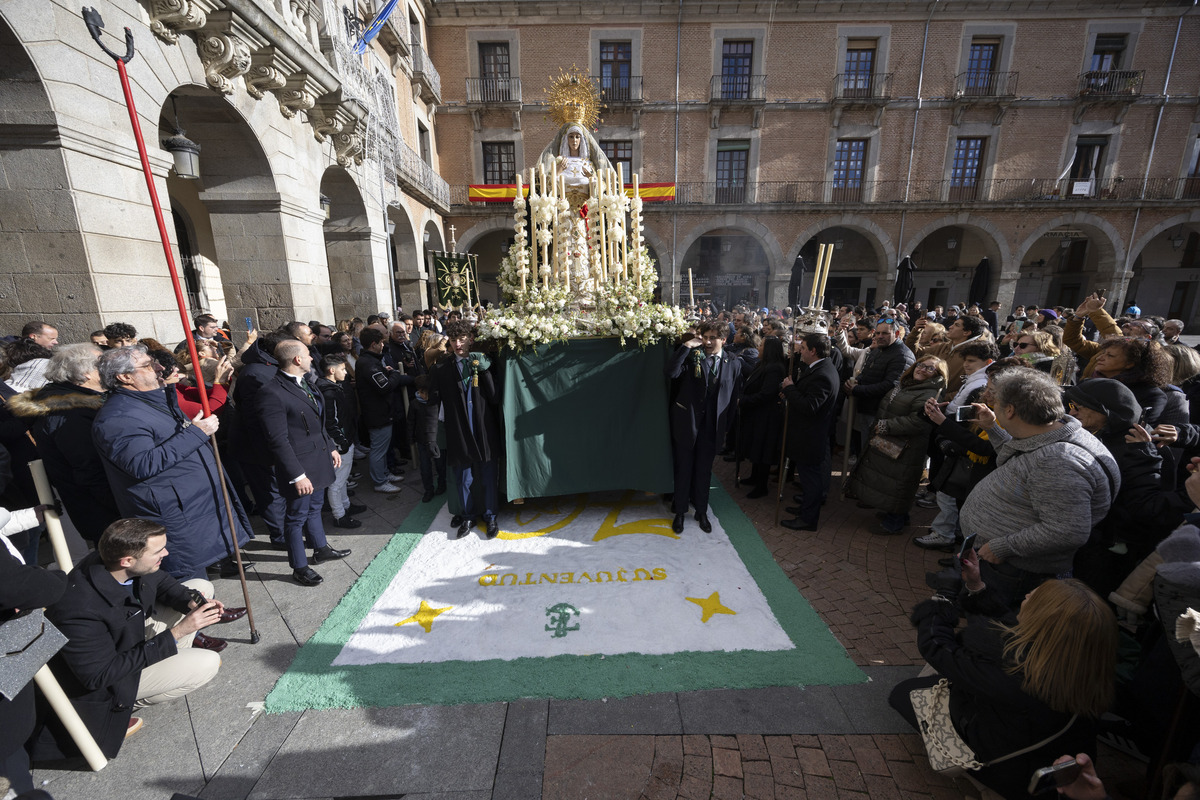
(26, 644)
(946, 750)
(890, 446)
(956, 477)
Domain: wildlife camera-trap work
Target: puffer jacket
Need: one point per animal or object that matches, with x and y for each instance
(60, 416)
(891, 484)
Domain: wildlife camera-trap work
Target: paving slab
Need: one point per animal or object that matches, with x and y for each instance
(645, 714)
(522, 751)
(597, 767)
(386, 751)
(866, 704)
(775, 710)
(236, 776)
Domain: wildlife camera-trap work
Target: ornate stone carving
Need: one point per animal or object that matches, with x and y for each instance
(349, 148)
(263, 76)
(293, 100)
(169, 17)
(225, 57)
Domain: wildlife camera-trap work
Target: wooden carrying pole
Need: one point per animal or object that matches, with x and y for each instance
(53, 524)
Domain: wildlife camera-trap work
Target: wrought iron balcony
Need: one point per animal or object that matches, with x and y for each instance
(494, 91)
(736, 88)
(1111, 83)
(426, 75)
(980, 84)
(420, 178)
(863, 86)
(619, 90)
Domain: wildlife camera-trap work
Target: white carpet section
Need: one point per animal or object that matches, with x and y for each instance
(574, 575)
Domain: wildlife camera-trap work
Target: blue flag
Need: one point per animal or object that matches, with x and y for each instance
(375, 27)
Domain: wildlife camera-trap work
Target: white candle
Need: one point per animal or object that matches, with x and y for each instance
(691, 289)
(520, 204)
(812, 297)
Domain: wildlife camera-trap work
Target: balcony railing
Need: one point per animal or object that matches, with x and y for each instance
(493, 91)
(738, 88)
(418, 176)
(1111, 83)
(997, 190)
(985, 84)
(426, 75)
(619, 90)
(862, 86)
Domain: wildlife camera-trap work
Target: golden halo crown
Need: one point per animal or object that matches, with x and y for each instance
(573, 98)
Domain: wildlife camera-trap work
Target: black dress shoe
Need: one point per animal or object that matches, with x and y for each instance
(347, 522)
(328, 553)
(677, 525)
(754, 494)
(464, 528)
(355, 508)
(493, 528)
(306, 577)
(228, 566)
(209, 642)
(793, 510)
(796, 524)
(703, 520)
(456, 520)
(425, 498)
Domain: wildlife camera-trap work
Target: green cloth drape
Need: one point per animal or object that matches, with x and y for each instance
(585, 415)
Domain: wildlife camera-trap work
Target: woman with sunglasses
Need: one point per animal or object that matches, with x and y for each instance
(1037, 349)
(887, 480)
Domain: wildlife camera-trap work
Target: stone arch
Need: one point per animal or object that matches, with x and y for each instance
(44, 263)
(1112, 246)
(881, 242)
(661, 252)
(406, 257)
(347, 245)
(480, 229)
(1192, 216)
(756, 229)
(1046, 284)
(999, 252)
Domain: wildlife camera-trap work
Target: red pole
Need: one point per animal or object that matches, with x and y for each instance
(95, 24)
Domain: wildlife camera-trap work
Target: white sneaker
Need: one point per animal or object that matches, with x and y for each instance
(934, 541)
(387, 488)
(391, 478)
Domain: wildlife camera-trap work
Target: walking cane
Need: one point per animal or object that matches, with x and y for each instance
(786, 408)
(849, 440)
(95, 25)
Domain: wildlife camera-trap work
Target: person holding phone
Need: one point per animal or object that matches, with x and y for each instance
(1092, 308)
(1040, 675)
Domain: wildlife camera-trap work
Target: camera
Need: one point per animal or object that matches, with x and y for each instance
(964, 413)
(196, 597)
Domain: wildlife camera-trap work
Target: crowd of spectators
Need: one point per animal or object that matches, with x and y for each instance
(1062, 443)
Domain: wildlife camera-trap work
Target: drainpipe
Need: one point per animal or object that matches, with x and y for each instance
(675, 260)
(912, 148)
(1137, 214)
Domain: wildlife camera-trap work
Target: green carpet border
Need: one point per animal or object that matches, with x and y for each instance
(311, 682)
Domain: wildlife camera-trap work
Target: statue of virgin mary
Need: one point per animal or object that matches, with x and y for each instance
(577, 157)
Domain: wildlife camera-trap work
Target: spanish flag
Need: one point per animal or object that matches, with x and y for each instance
(507, 192)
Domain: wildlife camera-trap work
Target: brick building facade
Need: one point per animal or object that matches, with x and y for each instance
(1058, 141)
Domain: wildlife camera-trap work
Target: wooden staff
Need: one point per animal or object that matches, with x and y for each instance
(786, 413)
(54, 528)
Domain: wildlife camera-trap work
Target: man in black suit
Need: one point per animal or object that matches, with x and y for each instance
(707, 383)
(292, 415)
(811, 401)
(464, 387)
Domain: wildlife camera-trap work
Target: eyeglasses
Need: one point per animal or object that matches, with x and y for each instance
(151, 365)
(925, 367)
(1023, 345)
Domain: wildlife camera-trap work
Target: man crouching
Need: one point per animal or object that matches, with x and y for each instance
(130, 628)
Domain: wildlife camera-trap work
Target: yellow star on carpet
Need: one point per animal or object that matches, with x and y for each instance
(425, 616)
(711, 605)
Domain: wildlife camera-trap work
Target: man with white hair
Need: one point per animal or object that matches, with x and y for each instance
(1172, 328)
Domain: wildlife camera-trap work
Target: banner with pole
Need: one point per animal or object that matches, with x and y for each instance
(457, 284)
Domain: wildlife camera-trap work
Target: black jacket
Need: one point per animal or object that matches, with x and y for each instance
(811, 401)
(296, 436)
(760, 413)
(880, 374)
(690, 395)
(465, 443)
(248, 439)
(376, 387)
(341, 412)
(61, 415)
(101, 664)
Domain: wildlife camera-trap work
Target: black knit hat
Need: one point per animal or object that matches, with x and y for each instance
(1111, 398)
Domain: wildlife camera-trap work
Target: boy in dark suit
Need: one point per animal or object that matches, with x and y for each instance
(811, 401)
(707, 383)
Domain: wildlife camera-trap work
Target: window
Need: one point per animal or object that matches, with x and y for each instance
(494, 72)
(967, 169)
(1191, 187)
(1108, 52)
(423, 140)
(499, 162)
(616, 71)
(981, 67)
(620, 152)
(733, 156)
(737, 59)
(849, 166)
(858, 77)
(1087, 166)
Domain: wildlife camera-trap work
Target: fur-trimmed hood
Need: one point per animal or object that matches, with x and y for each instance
(55, 398)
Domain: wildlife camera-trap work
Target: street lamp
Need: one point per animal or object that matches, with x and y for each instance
(326, 205)
(183, 150)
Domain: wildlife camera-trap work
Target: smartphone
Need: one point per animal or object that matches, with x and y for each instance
(249, 324)
(1047, 779)
(968, 545)
(1020, 323)
(1146, 412)
(964, 413)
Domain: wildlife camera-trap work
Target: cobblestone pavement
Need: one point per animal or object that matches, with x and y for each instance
(862, 584)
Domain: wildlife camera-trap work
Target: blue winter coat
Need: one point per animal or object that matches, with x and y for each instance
(161, 469)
